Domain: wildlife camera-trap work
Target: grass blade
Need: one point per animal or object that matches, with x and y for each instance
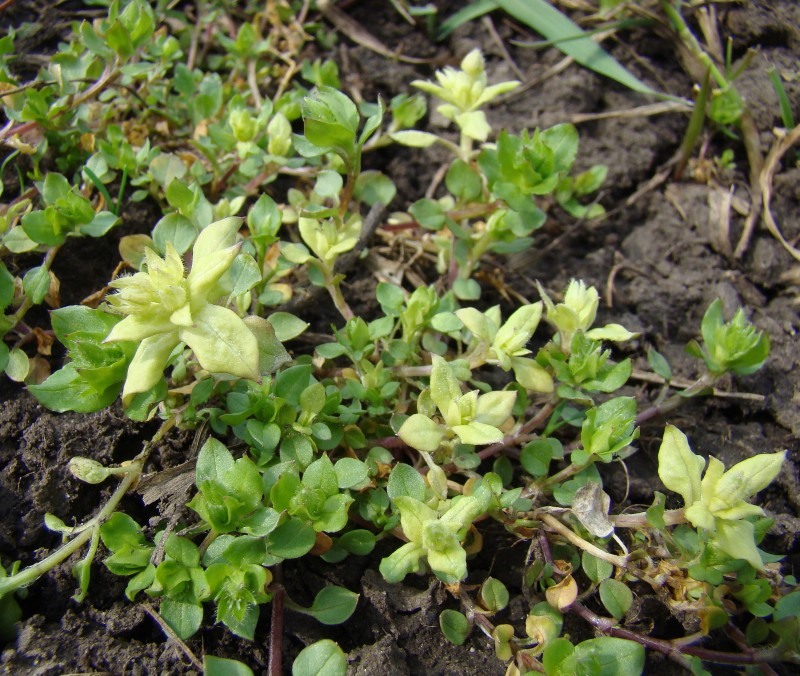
(787, 117)
(548, 21)
(472, 11)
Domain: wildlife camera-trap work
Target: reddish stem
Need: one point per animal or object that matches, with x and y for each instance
(275, 667)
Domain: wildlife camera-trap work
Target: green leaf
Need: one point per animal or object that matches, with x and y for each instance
(446, 322)
(331, 121)
(290, 383)
(65, 390)
(6, 287)
(454, 626)
(536, 455)
(183, 617)
(404, 480)
(613, 332)
(678, 468)
(562, 139)
(329, 183)
(182, 550)
(402, 561)
(422, 433)
(99, 225)
(292, 539)
(332, 605)
(659, 364)
(558, 658)
(213, 462)
(607, 656)
(467, 289)
(428, 213)
(463, 181)
(351, 472)
(444, 385)
(17, 366)
(271, 352)
(616, 597)
(735, 538)
(264, 219)
(244, 274)
(493, 595)
(787, 606)
(596, 569)
(312, 399)
(120, 531)
(42, 229)
(748, 477)
(223, 343)
(360, 542)
(331, 350)
(390, 297)
(176, 230)
(655, 513)
(79, 318)
(222, 666)
(323, 658)
(478, 434)
(139, 406)
(414, 139)
(36, 283)
(414, 515)
(374, 187)
(372, 123)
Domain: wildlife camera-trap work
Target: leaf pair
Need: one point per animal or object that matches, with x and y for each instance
(717, 502)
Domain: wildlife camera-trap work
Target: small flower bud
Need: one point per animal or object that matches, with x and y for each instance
(279, 131)
(473, 64)
(243, 124)
(88, 470)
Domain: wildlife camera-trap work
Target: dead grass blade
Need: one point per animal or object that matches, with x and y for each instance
(777, 151)
(360, 35)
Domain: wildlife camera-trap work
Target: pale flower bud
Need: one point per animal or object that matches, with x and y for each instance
(473, 64)
(88, 470)
(583, 302)
(279, 131)
(243, 124)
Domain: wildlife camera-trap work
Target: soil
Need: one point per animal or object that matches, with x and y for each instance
(659, 257)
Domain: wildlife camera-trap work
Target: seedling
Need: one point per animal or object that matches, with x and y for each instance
(388, 429)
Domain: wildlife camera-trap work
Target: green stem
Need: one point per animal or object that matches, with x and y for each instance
(694, 128)
(564, 474)
(27, 304)
(87, 530)
(333, 283)
(691, 43)
(465, 148)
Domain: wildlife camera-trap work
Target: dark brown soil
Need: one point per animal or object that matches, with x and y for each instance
(658, 258)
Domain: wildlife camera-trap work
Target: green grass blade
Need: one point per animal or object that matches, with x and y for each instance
(787, 117)
(546, 20)
(100, 187)
(622, 24)
(474, 10)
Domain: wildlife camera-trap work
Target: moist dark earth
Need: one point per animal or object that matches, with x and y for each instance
(658, 258)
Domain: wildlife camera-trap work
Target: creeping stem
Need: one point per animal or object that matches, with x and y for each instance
(87, 530)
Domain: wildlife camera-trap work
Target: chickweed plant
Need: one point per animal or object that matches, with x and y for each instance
(418, 426)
